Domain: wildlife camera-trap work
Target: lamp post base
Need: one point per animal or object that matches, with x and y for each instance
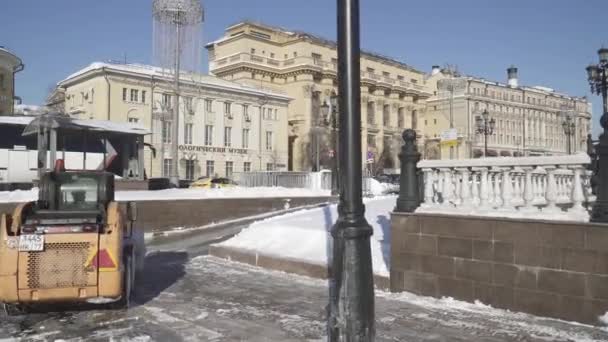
(352, 292)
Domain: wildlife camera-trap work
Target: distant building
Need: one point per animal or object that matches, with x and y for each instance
(225, 127)
(306, 66)
(10, 64)
(528, 119)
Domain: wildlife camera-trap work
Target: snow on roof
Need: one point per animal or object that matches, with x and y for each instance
(6, 52)
(20, 120)
(100, 125)
(149, 70)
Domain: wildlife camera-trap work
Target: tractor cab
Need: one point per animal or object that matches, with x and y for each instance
(74, 244)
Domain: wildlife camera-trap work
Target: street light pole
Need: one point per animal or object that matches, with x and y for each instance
(597, 80)
(352, 296)
(485, 126)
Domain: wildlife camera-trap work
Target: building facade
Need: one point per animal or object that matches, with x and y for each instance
(225, 127)
(528, 120)
(305, 67)
(10, 64)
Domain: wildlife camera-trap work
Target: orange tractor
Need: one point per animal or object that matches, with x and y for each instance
(75, 244)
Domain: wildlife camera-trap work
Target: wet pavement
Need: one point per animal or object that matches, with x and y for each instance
(187, 296)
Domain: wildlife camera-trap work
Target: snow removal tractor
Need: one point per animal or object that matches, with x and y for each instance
(75, 244)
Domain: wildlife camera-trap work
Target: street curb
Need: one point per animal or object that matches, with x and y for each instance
(287, 265)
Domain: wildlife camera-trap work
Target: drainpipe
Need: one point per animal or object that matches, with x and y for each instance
(105, 76)
(16, 69)
(152, 86)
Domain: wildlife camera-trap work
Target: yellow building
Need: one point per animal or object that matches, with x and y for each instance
(528, 119)
(10, 64)
(225, 127)
(305, 67)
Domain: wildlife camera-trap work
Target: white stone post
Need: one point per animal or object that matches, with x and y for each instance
(577, 191)
(465, 188)
(428, 188)
(497, 195)
(474, 188)
(551, 191)
(485, 188)
(529, 191)
(448, 192)
(517, 189)
(490, 188)
(507, 190)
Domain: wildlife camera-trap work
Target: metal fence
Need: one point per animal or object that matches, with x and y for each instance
(291, 179)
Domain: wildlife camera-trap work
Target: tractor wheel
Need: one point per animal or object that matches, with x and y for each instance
(139, 245)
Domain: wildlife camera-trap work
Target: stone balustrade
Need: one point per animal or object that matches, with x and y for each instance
(552, 187)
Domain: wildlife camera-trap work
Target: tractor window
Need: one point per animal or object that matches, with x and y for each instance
(78, 193)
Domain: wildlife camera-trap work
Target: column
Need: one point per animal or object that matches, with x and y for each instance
(465, 188)
(577, 196)
(551, 191)
(528, 191)
(428, 188)
(507, 190)
(484, 188)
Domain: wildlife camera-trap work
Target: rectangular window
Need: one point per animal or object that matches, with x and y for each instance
(247, 167)
(188, 105)
(371, 113)
(229, 169)
(2, 85)
(124, 94)
(190, 169)
(227, 107)
(208, 106)
(166, 132)
(143, 96)
(227, 136)
(246, 113)
(401, 118)
(166, 100)
(210, 168)
(208, 135)
(188, 134)
(268, 141)
(269, 167)
(245, 138)
(167, 163)
(133, 120)
(386, 113)
(371, 140)
(134, 95)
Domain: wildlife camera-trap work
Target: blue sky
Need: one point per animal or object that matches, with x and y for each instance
(550, 41)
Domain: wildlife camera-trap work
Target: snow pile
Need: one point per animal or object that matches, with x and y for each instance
(305, 235)
(177, 194)
(604, 318)
(378, 188)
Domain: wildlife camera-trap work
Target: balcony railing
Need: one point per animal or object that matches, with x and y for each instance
(534, 187)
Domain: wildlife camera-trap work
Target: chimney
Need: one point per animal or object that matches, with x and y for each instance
(435, 70)
(512, 76)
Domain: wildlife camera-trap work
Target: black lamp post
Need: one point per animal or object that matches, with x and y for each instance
(597, 74)
(352, 284)
(331, 121)
(569, 129)
(485, 125)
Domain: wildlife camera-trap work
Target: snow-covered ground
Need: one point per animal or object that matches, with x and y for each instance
(177, 194)
(305, 235)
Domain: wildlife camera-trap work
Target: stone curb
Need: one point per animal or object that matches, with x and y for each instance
(287, 265)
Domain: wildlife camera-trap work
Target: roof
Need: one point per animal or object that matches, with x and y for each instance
(11, 56)
(149, 71)
(318, 39)
(71, 123)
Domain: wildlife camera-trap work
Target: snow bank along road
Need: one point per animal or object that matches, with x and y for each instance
(187, 296)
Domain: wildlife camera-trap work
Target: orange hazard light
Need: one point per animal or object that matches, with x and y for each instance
(103, 261)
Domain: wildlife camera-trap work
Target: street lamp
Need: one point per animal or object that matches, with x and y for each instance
(569, 129)
(485, 125)
(330, 113)
(597, 80)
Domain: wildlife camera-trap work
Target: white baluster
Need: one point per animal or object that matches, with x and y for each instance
(428, 188)
(516, 189)
(457, 186)
(529, 191)
(551, 191)
(577, 191)
(448, 192)
(497, 196)
(465, 188)
(490, 188)
(507, 190)
(474, 188)
(484, 188)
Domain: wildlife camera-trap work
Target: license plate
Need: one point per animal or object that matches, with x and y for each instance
(31, 243)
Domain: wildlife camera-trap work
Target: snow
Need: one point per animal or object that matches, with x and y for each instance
(378, 189)
(178, 194)
(305, 235)
(16, 119)
(604, 318)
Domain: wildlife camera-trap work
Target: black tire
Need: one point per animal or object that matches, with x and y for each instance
(139, 247)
